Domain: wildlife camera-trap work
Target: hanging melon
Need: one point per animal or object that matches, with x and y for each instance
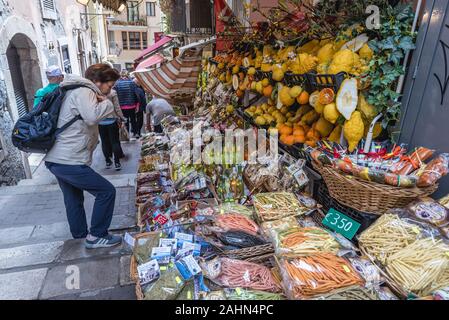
(347, 98)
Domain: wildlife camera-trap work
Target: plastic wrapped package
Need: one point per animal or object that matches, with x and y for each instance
(240, 239)
(272, 228)
(389, 234)
(420, 267)
(143, 246)
(412, 162)
(235, 208)
(277, 205)
(317, 274)
(350, 293)
(367, 270)
(298, 241)
(236, 222)
(429, 211)
(245, 294)
(188, 292)
(233, 273)
(434, 170)
(167, 287)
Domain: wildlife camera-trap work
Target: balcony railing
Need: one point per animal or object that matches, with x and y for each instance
(138, 23)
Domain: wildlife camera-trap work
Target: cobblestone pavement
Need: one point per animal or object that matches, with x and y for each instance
(38, 257)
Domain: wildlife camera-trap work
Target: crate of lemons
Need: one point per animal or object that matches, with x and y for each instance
(321, 115)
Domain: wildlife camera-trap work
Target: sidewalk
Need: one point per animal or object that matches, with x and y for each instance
(37, 253)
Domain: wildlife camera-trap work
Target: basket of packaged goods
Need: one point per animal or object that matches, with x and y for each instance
(376, 190)
(411, 254)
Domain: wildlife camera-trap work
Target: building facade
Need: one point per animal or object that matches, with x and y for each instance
(35, 34)
(132, 31)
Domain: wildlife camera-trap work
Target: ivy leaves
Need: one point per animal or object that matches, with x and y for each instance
(390, 45)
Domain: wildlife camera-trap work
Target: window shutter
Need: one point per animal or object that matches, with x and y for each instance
(49, 9)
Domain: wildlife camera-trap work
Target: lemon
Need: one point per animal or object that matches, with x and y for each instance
(295, 91)
(331, 113)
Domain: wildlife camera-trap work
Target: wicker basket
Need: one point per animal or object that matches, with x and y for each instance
(133, 263)
(250, 252)
(368, 196)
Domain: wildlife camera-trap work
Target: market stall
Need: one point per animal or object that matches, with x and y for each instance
(341, 212)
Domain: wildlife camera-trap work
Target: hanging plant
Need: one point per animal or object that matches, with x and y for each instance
(390, 45)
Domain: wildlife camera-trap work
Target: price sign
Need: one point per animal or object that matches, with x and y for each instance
(341, 223)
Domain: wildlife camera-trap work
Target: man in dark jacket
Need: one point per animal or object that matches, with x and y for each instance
(128, 97)
(142, 105)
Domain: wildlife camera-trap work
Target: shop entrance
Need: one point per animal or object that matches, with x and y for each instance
(23, 64)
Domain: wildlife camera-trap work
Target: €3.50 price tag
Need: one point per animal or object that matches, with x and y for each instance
(341, 223)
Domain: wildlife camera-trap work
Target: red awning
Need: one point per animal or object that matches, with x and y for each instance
(151, 61)
(153, 48)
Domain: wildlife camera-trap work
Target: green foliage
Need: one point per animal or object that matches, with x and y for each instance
(390, 44)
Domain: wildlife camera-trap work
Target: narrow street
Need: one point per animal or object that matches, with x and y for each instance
(37, 251)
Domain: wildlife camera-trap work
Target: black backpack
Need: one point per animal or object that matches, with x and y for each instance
(36, 131)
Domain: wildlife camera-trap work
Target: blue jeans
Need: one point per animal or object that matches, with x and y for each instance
(74, 180)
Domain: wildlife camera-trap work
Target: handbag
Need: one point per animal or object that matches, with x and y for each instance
(124, 135)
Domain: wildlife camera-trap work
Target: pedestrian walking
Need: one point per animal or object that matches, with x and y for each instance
(71, 156)
(142, 106)
(129, 102)
(109, 129)
(54, 77)
(157, 110)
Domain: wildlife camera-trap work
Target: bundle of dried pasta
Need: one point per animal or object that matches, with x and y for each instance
(298, 241)
(306, 277)
(388, 235)
(419, 266)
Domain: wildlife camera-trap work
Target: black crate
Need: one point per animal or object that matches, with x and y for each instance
(260, 75)
(292, 79)
(321, 81)
(322, 196)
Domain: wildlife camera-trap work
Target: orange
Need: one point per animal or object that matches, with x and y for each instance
(285, 130)
(239, 93)
(299, 131)
(267, 91)
(299, 138)
(303, 98)
(326, 96)
(289, 140)
(311, 143)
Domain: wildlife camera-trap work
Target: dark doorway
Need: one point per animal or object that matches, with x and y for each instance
(23, 64)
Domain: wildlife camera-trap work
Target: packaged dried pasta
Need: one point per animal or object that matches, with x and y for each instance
(232, 273)
(317, 274)
(391, 233)
(421, 267)
(277, 205)
(167, 287)
(434, 170)
(143, 246)
(367, 270)
(350, 293)
(299, 241)
(245, 294)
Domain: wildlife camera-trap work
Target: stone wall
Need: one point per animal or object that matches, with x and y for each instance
(11, 168)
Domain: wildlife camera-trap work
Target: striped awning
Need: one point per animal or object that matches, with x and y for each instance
(150, 62)
(111, 4)
(175, 81)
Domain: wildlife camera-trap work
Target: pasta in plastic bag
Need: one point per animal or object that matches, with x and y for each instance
(317, 274)
(167, 287)
(233, 273)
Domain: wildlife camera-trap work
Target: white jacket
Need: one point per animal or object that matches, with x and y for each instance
(76, 144)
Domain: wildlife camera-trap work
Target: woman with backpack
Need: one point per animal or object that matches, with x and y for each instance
(70, 157)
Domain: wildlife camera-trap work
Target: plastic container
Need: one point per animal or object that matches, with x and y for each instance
(321, 81)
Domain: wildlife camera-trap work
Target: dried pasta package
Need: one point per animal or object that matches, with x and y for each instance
(245, 294)
(188, 292)
(232, 273)
(350, 293)
(143, 246)
(421, 267)
(272, 228)
(236, 222)
(167, 287)
(430, 211)
(391, 233)
(235, 208)
(317, 274)
(277, 205)
(298, 241)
